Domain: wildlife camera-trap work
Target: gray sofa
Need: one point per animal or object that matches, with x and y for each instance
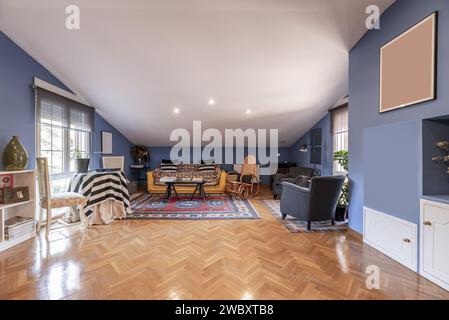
(296, 175)
(315, 204)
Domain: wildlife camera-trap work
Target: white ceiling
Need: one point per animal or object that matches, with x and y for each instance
(136, 60)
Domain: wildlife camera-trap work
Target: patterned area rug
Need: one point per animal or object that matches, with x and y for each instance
(217, 206)
(296, 226)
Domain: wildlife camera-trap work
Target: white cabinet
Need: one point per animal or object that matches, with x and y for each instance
(393, 237)
(434, 243)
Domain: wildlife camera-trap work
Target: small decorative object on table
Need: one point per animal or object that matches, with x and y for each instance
(15, 157)
(81, 161)
(14, 195)
(443, 147)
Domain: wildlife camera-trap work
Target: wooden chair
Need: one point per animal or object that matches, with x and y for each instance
(246, 182)
(60, 200)
(110, 162)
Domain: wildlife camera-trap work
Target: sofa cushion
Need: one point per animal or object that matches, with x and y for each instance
(302, 171)
(291, 180)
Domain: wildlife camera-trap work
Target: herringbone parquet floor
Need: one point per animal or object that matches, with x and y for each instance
(239, 259)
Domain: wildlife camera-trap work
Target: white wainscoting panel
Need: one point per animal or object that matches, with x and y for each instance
(392, 236)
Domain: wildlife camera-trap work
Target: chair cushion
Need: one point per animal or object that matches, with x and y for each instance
(65, 199)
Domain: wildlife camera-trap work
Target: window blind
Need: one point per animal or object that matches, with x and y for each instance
(58, 111)
(339, 122)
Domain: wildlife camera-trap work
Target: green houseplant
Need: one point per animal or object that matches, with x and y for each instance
(81, 160)
(342, 157)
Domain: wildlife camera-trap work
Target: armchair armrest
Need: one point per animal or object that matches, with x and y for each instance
(278, 177)
(232, 176)
(295, 201)
(295, 188)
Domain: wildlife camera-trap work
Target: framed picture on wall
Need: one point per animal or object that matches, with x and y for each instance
(408, 67)
(106, 142)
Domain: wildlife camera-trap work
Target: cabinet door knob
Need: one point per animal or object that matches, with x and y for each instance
(406, 240)
(427, 223)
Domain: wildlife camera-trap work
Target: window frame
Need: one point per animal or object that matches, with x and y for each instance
(341, 135)
(66, 133)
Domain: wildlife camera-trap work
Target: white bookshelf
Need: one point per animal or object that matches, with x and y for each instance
(23, 209)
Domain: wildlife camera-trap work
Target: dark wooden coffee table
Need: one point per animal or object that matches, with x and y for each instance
(171, 187)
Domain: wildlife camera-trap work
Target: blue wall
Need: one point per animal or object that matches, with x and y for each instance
(121, 146)
(17, 70)
(17, 114)
(390, 162)
(303, 158)
(393, 162)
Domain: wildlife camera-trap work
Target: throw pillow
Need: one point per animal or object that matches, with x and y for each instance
(169, 167)
(206, 167)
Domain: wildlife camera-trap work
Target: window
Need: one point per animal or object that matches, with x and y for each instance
(340, 132)
(62, 126)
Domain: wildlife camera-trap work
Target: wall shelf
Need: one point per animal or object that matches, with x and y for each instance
(437, 198)
(11, 205)
(435, 176)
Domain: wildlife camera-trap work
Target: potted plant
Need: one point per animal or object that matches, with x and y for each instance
(81, 160)
(140, 154)
(342, 157)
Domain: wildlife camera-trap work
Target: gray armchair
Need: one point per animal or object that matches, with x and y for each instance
(296, 175)
(315, 204)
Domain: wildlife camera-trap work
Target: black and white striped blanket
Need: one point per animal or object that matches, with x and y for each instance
(98, 187)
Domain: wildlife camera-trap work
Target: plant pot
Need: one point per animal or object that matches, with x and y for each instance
(82, 165)
(340, 213)
(15, 157)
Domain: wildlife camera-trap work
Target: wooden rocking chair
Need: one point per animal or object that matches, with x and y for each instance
(245, 183)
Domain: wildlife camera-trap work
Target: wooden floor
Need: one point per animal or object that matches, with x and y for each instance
(238, 259)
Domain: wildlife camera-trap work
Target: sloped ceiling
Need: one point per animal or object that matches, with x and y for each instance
(136, 60)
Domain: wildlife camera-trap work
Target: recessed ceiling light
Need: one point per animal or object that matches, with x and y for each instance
(176, 110)
(248, 111)
(211, 102)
